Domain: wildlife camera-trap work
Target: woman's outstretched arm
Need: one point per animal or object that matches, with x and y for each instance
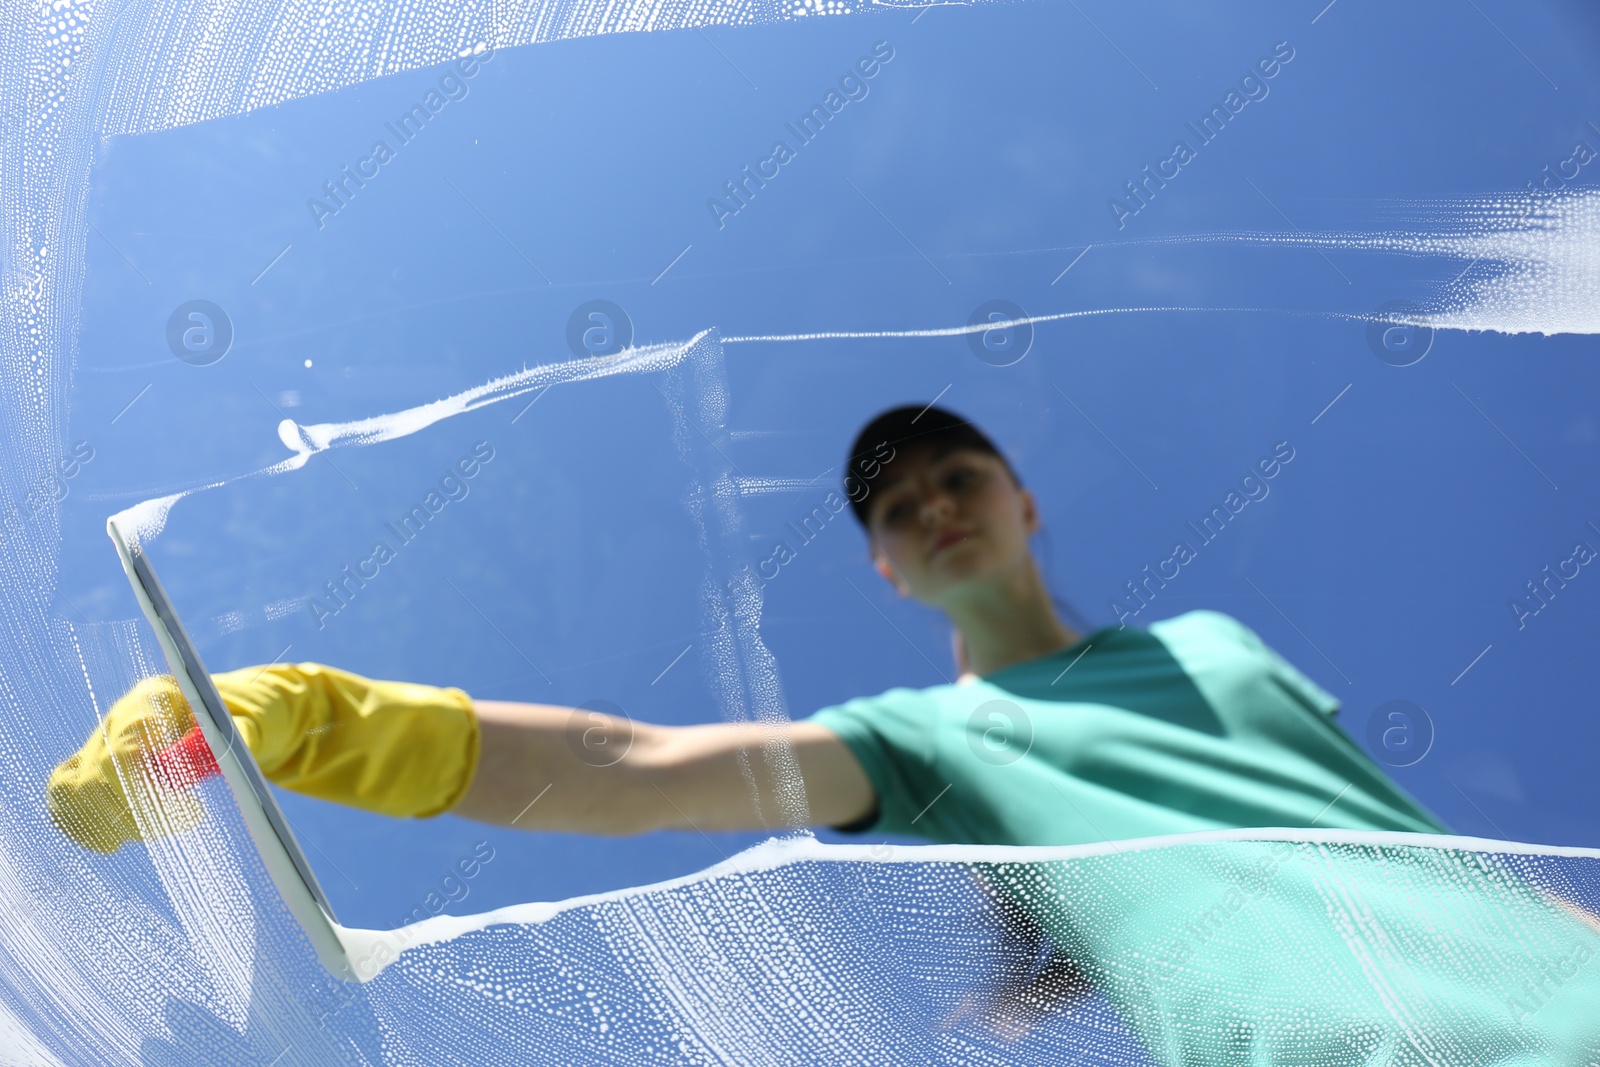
(405, 749)
(546, 767)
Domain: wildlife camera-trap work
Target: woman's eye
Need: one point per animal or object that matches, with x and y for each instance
(960, 478)
(896, 511)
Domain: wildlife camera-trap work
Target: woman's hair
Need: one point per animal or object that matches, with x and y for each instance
(890, 432)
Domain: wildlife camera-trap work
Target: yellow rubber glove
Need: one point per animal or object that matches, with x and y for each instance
(93, 795)
(390, 747)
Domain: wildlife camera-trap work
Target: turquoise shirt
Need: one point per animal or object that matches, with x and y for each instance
(1193, 724)
(1247, 953)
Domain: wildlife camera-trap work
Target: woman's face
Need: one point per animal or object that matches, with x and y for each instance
(944, 520)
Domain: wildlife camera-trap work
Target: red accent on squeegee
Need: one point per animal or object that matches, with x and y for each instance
(186, 761)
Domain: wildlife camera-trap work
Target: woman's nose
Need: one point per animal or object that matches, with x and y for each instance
(936, 505)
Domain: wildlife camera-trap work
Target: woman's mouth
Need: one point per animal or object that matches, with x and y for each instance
(951, 537)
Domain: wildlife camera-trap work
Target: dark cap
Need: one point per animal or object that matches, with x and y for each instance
(900, 429)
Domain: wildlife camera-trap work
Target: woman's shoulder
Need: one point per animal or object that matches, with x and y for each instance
(895, 701)
(1210, 642)
(1206, 622)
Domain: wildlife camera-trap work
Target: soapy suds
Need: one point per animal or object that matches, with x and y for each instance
(1530, 261)
(803, 848)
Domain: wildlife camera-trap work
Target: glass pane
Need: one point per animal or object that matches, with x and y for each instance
(522, 352)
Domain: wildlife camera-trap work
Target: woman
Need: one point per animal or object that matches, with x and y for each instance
(1049, 738)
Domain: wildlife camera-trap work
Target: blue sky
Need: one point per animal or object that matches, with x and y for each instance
(977, 163)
